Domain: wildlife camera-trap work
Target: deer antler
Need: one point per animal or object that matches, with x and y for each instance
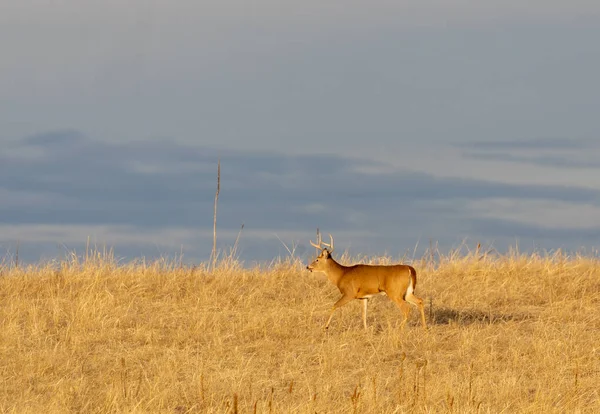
(320, 243)
(330, 244)
(318, 246)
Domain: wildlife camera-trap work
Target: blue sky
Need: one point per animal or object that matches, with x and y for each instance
(386, 124)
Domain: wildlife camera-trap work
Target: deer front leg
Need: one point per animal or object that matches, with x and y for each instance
(341, 302)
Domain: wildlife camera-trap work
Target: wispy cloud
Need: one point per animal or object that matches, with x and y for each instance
(530, 144)
(547, 214)
(546, 152)
(558, 161)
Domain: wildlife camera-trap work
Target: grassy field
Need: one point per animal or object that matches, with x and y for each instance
(514, 334)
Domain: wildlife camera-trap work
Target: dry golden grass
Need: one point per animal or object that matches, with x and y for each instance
(508, 334)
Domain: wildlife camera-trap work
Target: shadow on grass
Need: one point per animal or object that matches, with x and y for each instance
(445, 316)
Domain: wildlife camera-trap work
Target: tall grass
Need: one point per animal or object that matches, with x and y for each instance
(511, 333)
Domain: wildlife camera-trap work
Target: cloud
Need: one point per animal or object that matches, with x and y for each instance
(547, 152)
(530, 144)
(161, 194)
(530, 237)
(546, 214)
(55, 139)
(556, 161)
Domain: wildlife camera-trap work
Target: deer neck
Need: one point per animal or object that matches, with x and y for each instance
(335, 272)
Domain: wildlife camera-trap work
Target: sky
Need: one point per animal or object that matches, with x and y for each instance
(389, 124)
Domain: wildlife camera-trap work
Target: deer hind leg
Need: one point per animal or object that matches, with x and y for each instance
(365, 302)
(341, 302)
(418, 302)
(404, 307)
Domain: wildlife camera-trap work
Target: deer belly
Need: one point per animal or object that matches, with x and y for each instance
(370, 295)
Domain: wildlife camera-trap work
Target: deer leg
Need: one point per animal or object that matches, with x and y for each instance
(341, 302)
(365, 303)
(418, 302)
(404, 307)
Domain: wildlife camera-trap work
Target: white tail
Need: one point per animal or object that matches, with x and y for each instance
(361, 281)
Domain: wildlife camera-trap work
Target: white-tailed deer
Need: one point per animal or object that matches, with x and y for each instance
(364, 281)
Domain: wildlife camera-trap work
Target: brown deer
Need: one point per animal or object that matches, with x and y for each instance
(365, 281)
